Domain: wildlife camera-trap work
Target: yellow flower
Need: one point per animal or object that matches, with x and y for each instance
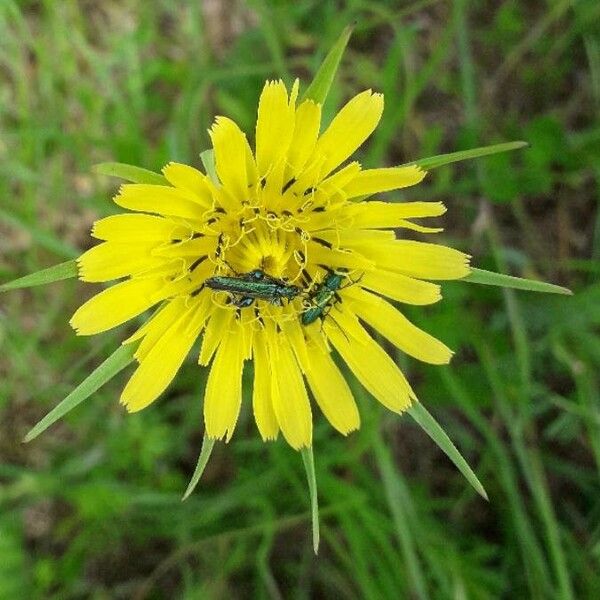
(291, 216)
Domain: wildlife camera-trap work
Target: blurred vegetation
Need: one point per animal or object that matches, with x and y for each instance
(92, 508)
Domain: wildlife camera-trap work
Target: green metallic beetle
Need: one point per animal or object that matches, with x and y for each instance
(245, 288)
(325, 296)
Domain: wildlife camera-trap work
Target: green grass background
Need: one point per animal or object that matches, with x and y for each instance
(92, 508)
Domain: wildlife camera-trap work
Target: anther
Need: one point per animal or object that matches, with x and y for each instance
(197, 262)
(323, 242)
(288, 185)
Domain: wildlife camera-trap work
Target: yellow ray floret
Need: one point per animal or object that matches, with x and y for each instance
(393, 325)
(376, 371)
(384, 215)
(161, 199)
(159, 366)
(223, 395)
(332, 393)
(355, 122)
(262, 403)
(190, 179)
(138, 228)
(114, 306)
(275, 124)
(401, 287)
(290, 400)
(113, 260)
(375, 181)
(233, 157)
(417, 259)
(306, 131)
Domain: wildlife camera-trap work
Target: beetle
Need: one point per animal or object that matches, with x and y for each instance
(244, 288)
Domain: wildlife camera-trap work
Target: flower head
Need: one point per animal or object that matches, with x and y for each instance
(278, 259)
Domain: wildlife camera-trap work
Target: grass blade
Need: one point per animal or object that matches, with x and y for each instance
(205, 452)
(435, 431)
(58, 272)
(129, 173)
(320, 85)
(309, 467)
(508, 281)
(403, 513)
(114, 364)
(445, 159)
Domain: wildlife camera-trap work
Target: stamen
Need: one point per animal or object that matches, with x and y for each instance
(323, 242)
(288, 185)
(197, 263)
(197, 291)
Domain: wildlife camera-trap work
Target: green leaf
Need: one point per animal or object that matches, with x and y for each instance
(309, 467)
(435, 431)
(518, 283)
(320, 85)
(130, 173)
(114, 364)
(64, 270)
(445, 159)
(205, 452)
(208, 160)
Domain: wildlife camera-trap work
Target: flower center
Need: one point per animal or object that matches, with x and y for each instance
(272, 242)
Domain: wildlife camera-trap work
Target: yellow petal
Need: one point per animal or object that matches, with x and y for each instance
(113, 260)
(160, 199)
(306, 131)
(319, 254)
(220, 322)
(420, 228)
(137, 228)
(387, 214)
(349, 129)
(294, 331)
(197, 247)
(232, 157)
(290, 400)
(262, 404)
(332, 189)
(310, 176)
(332, 393)
(166, 317)
(401, 287)
(374, 181)
(417, 259)
(223, 395)
(115, 305)
(344, 237)
(247, 323)
(274, 125)
(393, 325)
(373, 367)
(160, 365)
(190, 179)
(153, 329)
